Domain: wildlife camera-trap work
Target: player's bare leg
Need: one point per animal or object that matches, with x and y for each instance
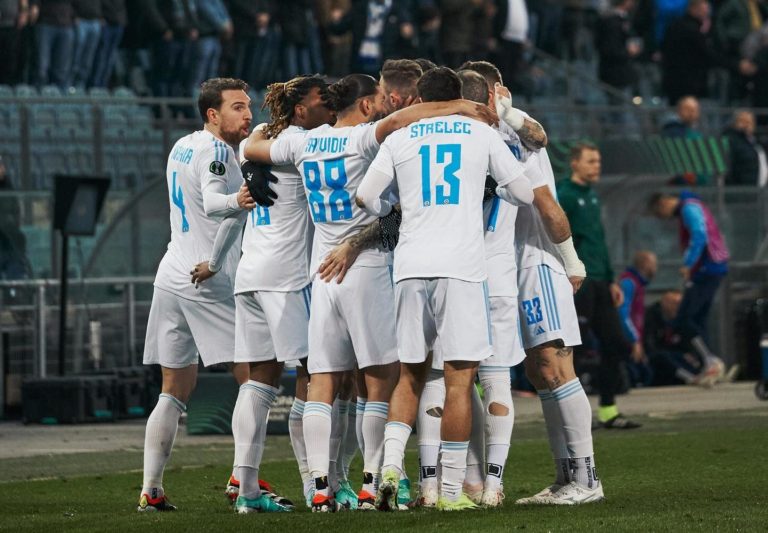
(403, 408)
(455, 430)
(162, 425)
(554, 365)
(317, 434)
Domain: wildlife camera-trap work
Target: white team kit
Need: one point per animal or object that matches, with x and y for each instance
(440, 165)
(272, 291)
(351, 322)
(185, 320)
(546, 308)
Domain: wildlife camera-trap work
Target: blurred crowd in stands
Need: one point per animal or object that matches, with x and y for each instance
(167, 47)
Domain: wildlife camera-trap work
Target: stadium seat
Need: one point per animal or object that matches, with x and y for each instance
(6, 91)
(98, 92)
(25, 91)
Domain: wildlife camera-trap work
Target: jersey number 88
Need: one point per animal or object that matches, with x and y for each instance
(334, 177)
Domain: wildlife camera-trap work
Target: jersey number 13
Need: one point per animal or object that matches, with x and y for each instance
(450, 156)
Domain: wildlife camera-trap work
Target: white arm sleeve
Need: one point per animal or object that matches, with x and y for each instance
(516, 192)
(371, 190)
(226, 236)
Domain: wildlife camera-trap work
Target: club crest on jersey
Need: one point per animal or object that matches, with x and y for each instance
(218, 168)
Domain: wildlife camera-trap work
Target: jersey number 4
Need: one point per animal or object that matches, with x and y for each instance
(450, 156)
(333, 177)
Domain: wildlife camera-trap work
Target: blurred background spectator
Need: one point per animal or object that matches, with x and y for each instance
(632, 312)
(13, 244)
(115, 18)
(300, 39)
(55, 41)
(88, 23)
(748, 163)
(685, 121)
(14, 16)
(616, 46)
(215, 26)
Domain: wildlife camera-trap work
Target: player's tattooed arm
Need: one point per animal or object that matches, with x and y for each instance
(532, 134)
(340, 259)
(559, 231)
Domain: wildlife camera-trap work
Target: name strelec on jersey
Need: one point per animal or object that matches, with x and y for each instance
(457, 127)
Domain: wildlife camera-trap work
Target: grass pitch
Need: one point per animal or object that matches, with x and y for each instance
(696, 472)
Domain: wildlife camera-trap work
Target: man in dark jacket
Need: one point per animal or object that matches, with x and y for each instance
(614, 46)
(381, 29)
(749, 165)
(688, 54)
(257, 43)
(55, 41)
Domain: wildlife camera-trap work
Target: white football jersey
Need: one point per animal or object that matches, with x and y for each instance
(440, 166)
(499, 226)
(534, 247)
(197, 162)
(276, 238)
(332, 162)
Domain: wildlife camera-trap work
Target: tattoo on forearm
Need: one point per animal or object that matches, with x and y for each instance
(367, 238)
(532, 134)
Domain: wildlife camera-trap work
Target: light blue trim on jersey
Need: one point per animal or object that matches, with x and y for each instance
(221, 152)
(488, 311)
(391, 275)
(550, 302)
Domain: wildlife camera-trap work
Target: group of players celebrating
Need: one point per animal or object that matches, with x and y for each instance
(400, 238)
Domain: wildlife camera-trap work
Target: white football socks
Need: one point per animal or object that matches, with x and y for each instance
(349, 442)
(374, 420)
(556, 437)
(317, 438)
(395, 440)
(498, 427)
(429, 419)
(296, 432)
(476, 449)
(576, 413)
(338, 430)
(453, 461)
(249, 428)
(360, 408)
(162, 425)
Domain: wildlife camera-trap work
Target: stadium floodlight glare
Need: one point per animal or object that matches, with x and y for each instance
(77, 203)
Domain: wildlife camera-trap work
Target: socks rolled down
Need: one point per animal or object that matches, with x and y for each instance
(159, 437)
(317, 437)
(556, 437)
(576, 415)
(249, 428)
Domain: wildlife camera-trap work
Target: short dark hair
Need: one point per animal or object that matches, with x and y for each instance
(210, 93)
(473, 86)
(656, 199)
(580, 147)
(439, 85)
(486, 69)
(345, 92)
(425, 64)
(401, 74)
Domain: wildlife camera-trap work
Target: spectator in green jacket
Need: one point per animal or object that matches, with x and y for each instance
(600, 296)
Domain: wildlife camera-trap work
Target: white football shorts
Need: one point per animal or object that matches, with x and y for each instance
(271, 325)
(179, 329)
(505, 328)
(445, 315)
(546, 308)
(352, 322)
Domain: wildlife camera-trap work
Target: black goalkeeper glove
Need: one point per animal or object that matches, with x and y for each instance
(257, 178)
(490, 189)
(389, 229)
